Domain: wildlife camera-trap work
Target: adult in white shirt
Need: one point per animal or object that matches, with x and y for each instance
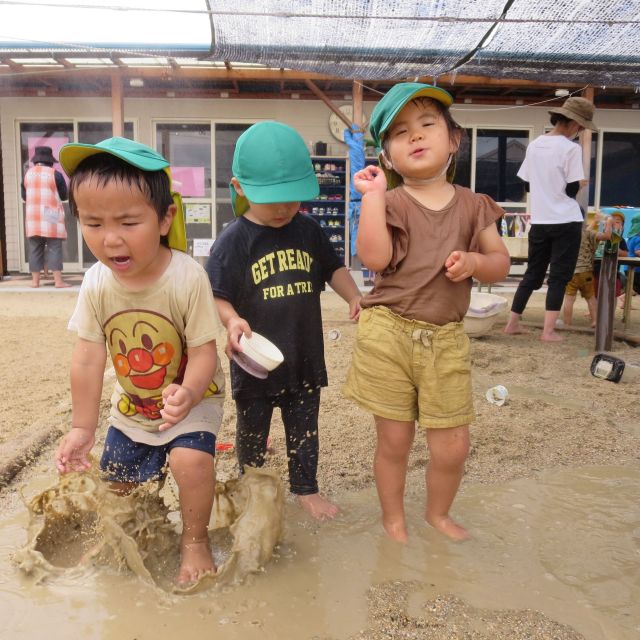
(552, 169)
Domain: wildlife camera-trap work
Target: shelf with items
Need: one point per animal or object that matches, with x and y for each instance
(330, 207)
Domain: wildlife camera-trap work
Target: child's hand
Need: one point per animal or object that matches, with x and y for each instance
(355, 308)
(371, 179)
(73, 450)
(235, 328)
(460, 265)
(178, 401)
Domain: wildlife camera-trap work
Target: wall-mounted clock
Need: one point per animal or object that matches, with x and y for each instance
(336, 126)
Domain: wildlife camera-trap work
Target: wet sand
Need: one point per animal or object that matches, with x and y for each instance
(561, 428)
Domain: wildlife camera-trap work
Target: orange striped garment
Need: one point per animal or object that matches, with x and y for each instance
(45, 213)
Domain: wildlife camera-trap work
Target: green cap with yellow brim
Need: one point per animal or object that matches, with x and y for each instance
(385, 112)
(272, 164)
(137, 155)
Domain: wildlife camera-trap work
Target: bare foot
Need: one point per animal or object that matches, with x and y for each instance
(62, 285)
(449, 528)
(551, 337)
(514, 328)
(396, 531)
(196, 561)
(34, 285)
(318, 506)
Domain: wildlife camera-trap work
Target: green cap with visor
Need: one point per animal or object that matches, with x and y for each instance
(137, 155)
(385, 112)
(272, 165)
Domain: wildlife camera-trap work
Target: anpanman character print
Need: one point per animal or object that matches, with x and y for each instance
(148, 355)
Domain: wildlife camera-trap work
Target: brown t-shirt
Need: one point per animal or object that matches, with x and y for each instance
(414, 284)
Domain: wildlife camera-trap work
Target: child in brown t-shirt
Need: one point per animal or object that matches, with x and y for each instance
(426, 239)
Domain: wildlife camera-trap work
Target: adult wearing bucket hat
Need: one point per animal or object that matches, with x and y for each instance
(43, 190)
(553, 173)
(140, 156)
(267, 270)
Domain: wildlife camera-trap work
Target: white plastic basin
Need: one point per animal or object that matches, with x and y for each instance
(484, 310)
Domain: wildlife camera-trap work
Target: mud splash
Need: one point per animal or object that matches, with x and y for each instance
(78, 524)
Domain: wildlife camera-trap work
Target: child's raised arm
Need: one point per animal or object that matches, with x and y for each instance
(87, 372)
(490, 264)
(373, 244)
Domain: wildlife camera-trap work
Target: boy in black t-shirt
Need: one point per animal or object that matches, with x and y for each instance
(267, 270)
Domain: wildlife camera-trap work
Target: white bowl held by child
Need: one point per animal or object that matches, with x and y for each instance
(258, 355)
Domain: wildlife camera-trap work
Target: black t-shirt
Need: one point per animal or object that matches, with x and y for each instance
(273, 277)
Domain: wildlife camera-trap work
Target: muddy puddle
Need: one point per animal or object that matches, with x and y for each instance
(566, 544)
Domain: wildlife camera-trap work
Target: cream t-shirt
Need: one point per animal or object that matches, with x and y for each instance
(148, 334)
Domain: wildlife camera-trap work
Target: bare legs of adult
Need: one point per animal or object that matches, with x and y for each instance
(58, 282)
(35, 279)
(549, 333)
(513, 326)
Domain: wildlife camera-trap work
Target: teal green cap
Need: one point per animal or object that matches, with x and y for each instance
(272, 164)
(137, 155)
(134, 153)
(385, 112)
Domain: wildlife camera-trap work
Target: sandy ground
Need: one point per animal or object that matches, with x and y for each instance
(558, 416)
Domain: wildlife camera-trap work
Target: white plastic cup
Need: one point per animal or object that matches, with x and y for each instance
(497, 395)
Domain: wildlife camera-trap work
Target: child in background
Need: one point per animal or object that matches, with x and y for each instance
(426, 239)
(633, 250)
(583, 277)
(152, 308)
(267, 270)
(617, 227)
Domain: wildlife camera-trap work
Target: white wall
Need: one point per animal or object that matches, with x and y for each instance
(310, 118)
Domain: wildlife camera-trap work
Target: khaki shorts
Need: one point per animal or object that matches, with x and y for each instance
(582, 282)
(409, 370)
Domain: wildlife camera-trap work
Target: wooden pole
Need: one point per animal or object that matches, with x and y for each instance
(358, 115)
(117, 105)
(605, 313)
(313, 87)
(585, 143)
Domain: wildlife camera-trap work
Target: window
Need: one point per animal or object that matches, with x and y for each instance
(226, 137)
(499, 154)
(620, 184)
(187, 147)
(94, 132)
(463, 160)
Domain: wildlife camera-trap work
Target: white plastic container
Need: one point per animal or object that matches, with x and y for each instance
(484, 310)
(261, 350)
(258, 355)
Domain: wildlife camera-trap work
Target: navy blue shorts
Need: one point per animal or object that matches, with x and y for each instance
(124, 460)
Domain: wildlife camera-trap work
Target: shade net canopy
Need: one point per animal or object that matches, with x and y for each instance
(590, 41)
(575, 41)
